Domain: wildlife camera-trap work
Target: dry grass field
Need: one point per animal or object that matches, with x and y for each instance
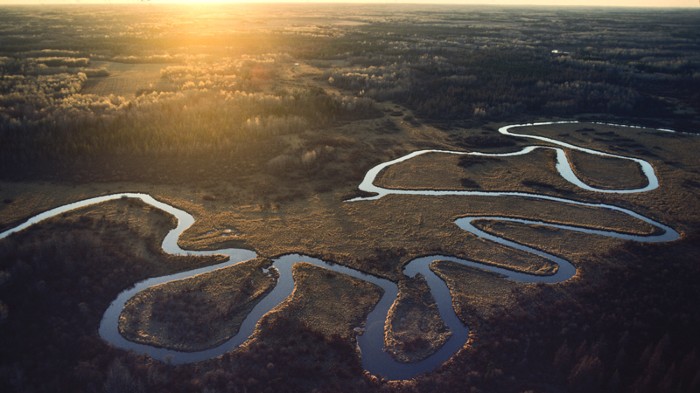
(328, 302)
(126, 79)
(477, 295)
(606, 172)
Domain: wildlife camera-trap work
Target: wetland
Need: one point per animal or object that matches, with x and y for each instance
(361, 198)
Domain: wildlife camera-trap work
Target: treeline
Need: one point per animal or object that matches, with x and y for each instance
(136, 33)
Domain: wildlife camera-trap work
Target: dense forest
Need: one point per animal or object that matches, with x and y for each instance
(462, 71)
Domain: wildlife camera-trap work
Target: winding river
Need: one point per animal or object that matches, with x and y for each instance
(371, 342)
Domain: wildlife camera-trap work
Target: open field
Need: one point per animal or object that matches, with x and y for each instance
(125, 79)
(606, 172)
(478, 294)
(261, 122)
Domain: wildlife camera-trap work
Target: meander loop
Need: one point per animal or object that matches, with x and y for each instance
(371, 342)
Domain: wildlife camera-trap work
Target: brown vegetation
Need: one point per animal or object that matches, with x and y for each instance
(125, 79)
(606, 172)
(476, 295)
(414, 329)
(197, 313)
(448, 172)
(579, 336)
(329, 302)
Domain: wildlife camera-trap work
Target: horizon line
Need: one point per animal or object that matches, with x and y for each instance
(506, 4)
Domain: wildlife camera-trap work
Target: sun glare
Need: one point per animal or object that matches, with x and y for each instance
(198, 3)
(577, 3)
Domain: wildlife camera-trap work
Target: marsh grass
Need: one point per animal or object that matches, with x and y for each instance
(196, 313)
(414, 329)
(329, 302)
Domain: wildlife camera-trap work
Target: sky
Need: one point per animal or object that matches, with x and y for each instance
(616, 3)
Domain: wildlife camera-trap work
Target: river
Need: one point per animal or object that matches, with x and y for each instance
(371, 340)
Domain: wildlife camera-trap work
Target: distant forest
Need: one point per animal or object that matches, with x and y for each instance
(224, 93)
(464, 69)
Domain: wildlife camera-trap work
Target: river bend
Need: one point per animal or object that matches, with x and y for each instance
(371, 341)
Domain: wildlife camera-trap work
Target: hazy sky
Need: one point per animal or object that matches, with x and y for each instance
(626, 3)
